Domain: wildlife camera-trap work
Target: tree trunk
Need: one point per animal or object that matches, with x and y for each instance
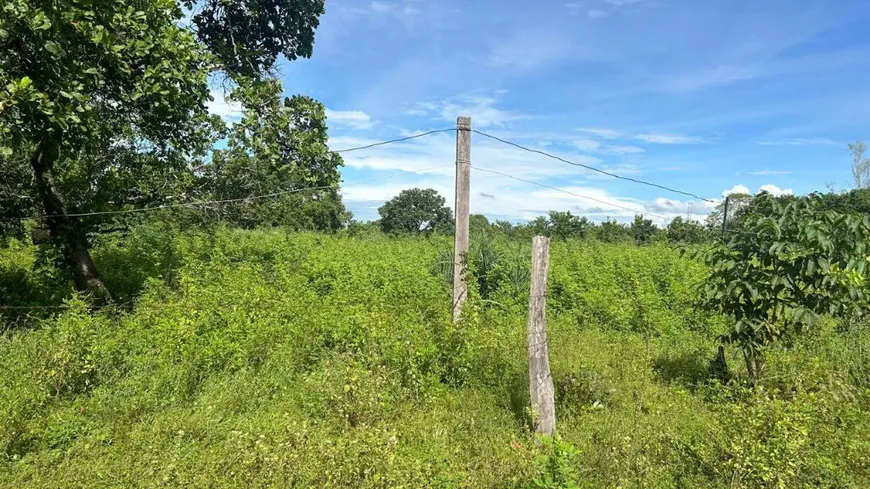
(754, 366)
(62, 228)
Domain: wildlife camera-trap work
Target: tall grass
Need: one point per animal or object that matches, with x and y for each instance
(270, 359)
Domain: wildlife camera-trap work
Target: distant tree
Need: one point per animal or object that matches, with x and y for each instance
(860, 164)
(415, 211)
(505, 227)
(680, 231)
(856, 201)
(564, 225)
(611, 231)
(17, 202)
(478, 223)
(643, 230)
(539, 226)
(559, 225)
(738, 206)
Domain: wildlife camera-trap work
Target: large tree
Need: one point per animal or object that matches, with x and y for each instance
(414, 211)
(279, 149)
(84, 84)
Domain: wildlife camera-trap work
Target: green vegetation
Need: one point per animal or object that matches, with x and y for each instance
(789, 264)
(103, 108)
(415, 211)
(213, 344)
(272, 359)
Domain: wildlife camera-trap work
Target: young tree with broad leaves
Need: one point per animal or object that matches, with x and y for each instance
(790, 263)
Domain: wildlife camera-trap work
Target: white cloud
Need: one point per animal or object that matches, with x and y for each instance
(709, 77)
(623, 3)
(574, 7)
(653, 137)
(349, 118)
(665, 138)
(381, 7)
(481, 108)
(220, 106)
(623, 150)
(534, 49)
(768, 187)
(596, 13)
(774, 190)
(601, 132)
(760, 173)
(737, 189)
(800, 142)
(586, 144)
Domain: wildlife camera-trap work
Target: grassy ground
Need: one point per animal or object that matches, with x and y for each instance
(267, 359)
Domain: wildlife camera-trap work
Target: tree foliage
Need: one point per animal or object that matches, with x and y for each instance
(685, 231)
(104, 101)
(248, 35)
(414, 211)
(784, 269)
(278, 147)
(643, 230)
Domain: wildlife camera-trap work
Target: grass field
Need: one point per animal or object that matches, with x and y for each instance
(269, 359)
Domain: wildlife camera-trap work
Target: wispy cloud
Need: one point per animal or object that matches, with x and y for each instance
(533, 49)
(665, 138)
(586, 144)
(396, 8)
(601, 132)
(380, 7)
(482, 109)
(654, 137)
(425, 162)
(349, 118)
(762, 173)
(623, 150)
(800, 142)
(596, 13)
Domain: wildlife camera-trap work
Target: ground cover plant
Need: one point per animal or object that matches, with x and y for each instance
(268, 358)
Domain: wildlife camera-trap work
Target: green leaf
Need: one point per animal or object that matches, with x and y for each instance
(54, 48)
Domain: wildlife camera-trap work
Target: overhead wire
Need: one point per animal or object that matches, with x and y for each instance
(575, 194)
(592, 168)
(263, 196)
(391, 141)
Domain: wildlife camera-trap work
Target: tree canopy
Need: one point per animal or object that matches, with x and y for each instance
(104, 103)
(414, 211)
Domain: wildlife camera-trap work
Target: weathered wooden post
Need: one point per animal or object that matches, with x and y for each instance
(540, 381)
(460, 236)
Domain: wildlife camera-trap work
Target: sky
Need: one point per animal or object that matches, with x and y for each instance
(709, 97)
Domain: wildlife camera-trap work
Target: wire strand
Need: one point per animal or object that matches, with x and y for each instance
(611, 204)
(391, 141)
(195, 203)
(592, 168)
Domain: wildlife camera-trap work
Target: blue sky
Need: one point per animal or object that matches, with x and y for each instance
(699, 95)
